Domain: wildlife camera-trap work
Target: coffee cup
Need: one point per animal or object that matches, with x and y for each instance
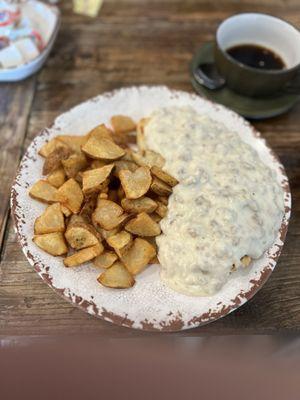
(271, 34)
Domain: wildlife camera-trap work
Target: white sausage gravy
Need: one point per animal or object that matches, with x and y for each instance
(227, 204)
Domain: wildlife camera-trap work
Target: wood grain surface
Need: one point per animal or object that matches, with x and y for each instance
(133, 42)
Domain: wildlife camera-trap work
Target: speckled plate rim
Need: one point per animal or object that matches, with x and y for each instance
(173, 321)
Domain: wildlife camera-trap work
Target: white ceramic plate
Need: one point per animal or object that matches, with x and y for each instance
(150, 304)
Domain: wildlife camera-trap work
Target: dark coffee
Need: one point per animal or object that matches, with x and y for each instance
(256, 56)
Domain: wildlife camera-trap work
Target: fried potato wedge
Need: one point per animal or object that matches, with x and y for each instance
(122, 124)
(105, 234)
(246, 261)
(72, 141)
(98, 164)
(120, 242)
(92, 179)
(50, 146)
(70, 195)
(103, 149)
(163, 199)
(54, 159)
(124, 164)
(136, 206)
(148, 159)
(74, 164)
(143, 225)
(161, 210)
(161, 188)
(89, 206)
(81, 235)
(84, 255)
(156, 218)
(52, 243)
(140, 135)
(138, 256)
(100, 132)
(163, 176)
(43, 191)
(57, 177)
(137, 183)
(65, 211)
(52, 220)
(117, 277)
(108, 214)
(105, 260)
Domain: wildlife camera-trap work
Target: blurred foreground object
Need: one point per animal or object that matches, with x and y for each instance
(87, 7)
(27, 33)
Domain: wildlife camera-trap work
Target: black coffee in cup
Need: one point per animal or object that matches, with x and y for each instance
(256, 56)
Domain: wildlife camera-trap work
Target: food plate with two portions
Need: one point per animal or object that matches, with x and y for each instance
(150, 304)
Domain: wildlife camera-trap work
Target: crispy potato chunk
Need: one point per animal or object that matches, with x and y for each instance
(163, 176)
(52, 243)
(105, 234)
(57, 177)
(83, 255)
(43, 191)
(136, 206)
(163, 199)
(137, 183)
(108, 214)
(116, 277)
(105, 260)
(103, 149)
(54, 159)
(140, 135)
(65, 211)
(124, 164)
(143, 225)
(138, 256)
(122, 124)
(156, 218)
(70, 195)
(161, 210)
(73, 142)
(52, 220)
(98, 164)
(161, 188)
(100, 132)
(74, 164)
(148, 159)
(50, 146)
(120, 242)
(92, 179)
(81, 235)
(89, 206)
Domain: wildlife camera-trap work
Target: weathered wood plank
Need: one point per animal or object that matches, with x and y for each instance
(15, 105)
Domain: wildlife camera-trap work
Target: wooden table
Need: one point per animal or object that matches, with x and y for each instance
(132, 42)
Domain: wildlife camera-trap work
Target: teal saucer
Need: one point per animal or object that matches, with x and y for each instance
(248, 107)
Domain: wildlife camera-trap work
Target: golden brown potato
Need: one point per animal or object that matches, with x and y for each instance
(92, 179)
(81, 235)
(98, 164)
(143, 225)
(70, 195)
(65, 211)
(108, 214)
(100, 132)
(103, 149)
(73, 142)
(89, 206)
(52, 220)
(104, 196)
(136, 206)
(43, 191)
(54, 159)
(50, 146)
(161, 210)
(57, 177)
(148, 159)
(105, 234)
(74, 164)
(84, 255)
(161, 188)
(163, 199)
(120, 242)
(52, 243)
(122, 124)
(163, 176)
(116, 277)
(105, 260)
(124, 164)
(137, 183)
(140, 135)
(138, 256)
